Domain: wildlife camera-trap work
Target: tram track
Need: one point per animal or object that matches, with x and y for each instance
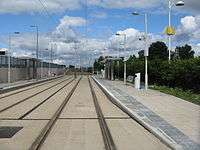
(36, 145)
(107, 137)
(76, 115)
(48, 98)
(31, 96)
(29, 88)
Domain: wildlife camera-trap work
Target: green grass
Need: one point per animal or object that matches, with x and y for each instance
(185, 95)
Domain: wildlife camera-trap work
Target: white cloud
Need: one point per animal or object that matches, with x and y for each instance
(192, 5)
(189, 30)
(189, 23)
(64, 29)
(31, 6)
(67, 21)
(125, 3)
(21, 6)
(54, 6)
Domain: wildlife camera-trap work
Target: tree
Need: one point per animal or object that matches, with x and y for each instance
(98, 64)
(158, 50)
(185, 52)
(141, 54)
(131, 58)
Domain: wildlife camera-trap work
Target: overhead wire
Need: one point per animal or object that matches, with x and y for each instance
(46, 11)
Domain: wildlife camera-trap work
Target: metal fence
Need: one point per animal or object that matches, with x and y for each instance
(14, 62)
(23, 63)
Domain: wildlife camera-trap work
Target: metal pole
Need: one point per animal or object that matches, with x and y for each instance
(9, 53)
(37, 50)
(169, 38)
(146, 49)
(41, 69)
(49, 60)
(124, 59)
(37, 53)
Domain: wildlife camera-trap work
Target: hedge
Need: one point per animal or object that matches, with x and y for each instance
(183, 74)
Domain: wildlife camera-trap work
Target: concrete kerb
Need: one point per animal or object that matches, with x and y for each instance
(12, 88)
(155, 131)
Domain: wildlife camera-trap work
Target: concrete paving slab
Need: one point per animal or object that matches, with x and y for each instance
(129, 135)
(81, 103)
(108, 108)
(7, 101)
(4, 88)
(181, 114)
(46, 110)
(74, 134)
(19, 110)
(24, 138)
(31, 86)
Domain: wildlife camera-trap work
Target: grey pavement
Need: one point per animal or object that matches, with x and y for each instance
(174, 119)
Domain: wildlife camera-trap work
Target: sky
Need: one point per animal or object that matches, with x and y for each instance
(79, 31)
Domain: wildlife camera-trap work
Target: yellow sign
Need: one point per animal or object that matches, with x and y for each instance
(170, 30)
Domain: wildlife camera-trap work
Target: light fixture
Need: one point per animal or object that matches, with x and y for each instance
(180, 3)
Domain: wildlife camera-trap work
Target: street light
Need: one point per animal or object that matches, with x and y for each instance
(170, 5)
(9, 55)
(146, 52)
(37, 47)
(37, 43)
(125, 38)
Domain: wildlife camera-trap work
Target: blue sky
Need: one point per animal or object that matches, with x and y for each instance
(104, 19)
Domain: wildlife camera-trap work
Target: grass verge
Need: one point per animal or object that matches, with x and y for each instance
(185, 95)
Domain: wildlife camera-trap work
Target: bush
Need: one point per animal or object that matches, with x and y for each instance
(184, 74)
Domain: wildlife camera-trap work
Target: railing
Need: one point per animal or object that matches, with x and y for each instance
(23, 63)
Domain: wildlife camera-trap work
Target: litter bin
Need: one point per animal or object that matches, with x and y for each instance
(137, 81)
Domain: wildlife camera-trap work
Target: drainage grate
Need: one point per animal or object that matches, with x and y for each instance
(8, 132)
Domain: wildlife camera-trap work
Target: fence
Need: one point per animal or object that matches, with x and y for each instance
(27, 68)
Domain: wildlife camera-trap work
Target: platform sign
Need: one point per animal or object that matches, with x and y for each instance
(170, 30)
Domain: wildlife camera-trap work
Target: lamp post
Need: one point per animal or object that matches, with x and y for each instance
(37, 43)
(171, 3)
(37, 48)
(125, 38)
(49, 64)
(9, 56)
(146, 52)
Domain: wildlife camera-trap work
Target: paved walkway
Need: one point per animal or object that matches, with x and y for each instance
(174, 118)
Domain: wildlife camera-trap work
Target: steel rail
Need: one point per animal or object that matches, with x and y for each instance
(36, 145)
(27, 98)
(48, 98)
(33, 86)
(107, 137)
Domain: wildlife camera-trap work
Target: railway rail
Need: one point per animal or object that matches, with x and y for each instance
(46, 130)
(31, 96)
(4, 95)
(74, 114)
(107, 137)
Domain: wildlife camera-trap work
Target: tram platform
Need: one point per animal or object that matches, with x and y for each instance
(171, 119)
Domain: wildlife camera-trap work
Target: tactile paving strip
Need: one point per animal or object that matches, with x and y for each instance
(151, 117)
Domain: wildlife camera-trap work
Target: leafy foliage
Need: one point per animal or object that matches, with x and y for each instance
(158, 50)
(180, 73)
(185, 52)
